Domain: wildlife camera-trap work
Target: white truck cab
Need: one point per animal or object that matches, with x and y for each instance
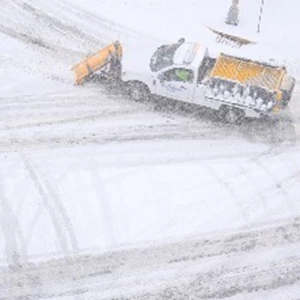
(190, 60)
(180, 80)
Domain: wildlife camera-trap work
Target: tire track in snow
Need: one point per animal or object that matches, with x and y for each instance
(65, 126)
(57, 43)
(112, 27)
(279, 185)
(15, 244)
(58, 215)
(220, 285)
(41, 29)
(195, 267)
(105, 211)
(84, 118)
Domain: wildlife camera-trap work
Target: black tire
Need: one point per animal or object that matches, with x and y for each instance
(231, 115)
(138, 91)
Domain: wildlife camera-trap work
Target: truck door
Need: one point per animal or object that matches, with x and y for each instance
(176, 83)
(203, 75)
(199, 97)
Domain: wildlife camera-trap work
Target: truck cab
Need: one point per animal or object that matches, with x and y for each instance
(178, 71)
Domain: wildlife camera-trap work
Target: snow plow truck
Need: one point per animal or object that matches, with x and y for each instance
(235, 87)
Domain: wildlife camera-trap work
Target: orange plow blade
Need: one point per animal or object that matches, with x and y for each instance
(93, 63)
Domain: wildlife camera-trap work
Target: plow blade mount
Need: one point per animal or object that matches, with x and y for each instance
(100, 60)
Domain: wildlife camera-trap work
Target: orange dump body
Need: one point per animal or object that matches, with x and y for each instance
(95, 62)
(248, 72)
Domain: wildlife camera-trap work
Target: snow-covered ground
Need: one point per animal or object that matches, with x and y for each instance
(123, 189)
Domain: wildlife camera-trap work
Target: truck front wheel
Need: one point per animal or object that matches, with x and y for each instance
(138, 91)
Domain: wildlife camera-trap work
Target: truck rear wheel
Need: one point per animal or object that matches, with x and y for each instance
(231, 115)
(138, 91)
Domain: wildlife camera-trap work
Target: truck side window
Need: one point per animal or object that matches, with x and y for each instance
(179, 74)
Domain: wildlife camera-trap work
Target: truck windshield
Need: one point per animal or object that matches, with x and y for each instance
(163, 57)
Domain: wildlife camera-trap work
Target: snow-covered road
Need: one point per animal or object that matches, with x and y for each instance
(85, 170)
(261, 263)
